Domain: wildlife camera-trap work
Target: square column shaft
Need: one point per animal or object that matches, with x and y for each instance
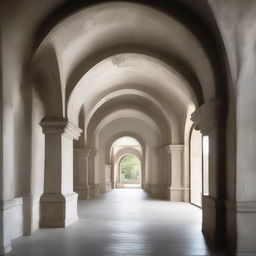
(81, 172)
(177, 167)
(59, 202)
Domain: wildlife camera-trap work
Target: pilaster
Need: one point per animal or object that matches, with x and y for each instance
(108, 184)
(210, 120)
(94, 188)
(177, 165)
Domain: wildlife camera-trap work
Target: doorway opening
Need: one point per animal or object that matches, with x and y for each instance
(196, 168)
(127, 159)
(130, 172)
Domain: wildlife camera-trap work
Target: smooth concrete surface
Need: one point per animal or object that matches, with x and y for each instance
(123, 222)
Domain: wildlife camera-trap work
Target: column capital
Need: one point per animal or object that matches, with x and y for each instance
(209, 115)
(174, 148)
(60, 126)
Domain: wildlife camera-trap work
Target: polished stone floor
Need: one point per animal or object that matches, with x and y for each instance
(124, 222)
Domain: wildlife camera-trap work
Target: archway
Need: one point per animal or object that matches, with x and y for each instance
(130, 171)
(170, 78)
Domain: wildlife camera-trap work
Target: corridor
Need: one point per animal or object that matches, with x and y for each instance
(122, 222)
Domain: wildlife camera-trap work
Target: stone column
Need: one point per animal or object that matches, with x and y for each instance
(59, 202)
(108, 185)
(209, 119)
(81, 172)
(177, 167)
(162, 189)
(112, 176)
(94, 188)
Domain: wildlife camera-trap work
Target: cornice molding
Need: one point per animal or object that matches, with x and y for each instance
(209, 115)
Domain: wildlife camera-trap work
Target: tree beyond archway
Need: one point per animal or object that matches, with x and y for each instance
(130, 170)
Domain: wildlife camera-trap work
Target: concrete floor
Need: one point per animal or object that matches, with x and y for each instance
(122, 222)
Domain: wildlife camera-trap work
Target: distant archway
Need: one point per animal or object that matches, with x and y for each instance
(130, 171)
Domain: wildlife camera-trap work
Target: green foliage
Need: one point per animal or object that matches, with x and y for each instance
(130, 167)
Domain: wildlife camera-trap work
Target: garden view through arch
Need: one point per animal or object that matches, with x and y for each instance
(130, 171)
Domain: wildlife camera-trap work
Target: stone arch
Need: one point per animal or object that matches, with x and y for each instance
(117, 136)
(115, 160)
(144, 47)
(218, 76)
(144, 69)
(134, 154)
(105, 113)
(176, 9)
(171, 116)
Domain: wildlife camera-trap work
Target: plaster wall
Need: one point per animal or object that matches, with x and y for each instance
(16, 42)
(236, 21)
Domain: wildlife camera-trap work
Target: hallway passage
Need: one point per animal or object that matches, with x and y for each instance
(122, 222)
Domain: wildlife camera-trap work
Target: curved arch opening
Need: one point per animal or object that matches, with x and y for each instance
(128, 160)
(130, 171)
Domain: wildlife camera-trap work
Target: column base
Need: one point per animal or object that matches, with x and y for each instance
(58, 211)
(146, 187)
(119, 185)
(11, 222)
(214, 219)
(246, 226)
(159, 190)
(94, 190)
(178, 194)
(82, 191)
(105, 187)
(5, 250)
(108, 187)
(186, 195)
(6, 226)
